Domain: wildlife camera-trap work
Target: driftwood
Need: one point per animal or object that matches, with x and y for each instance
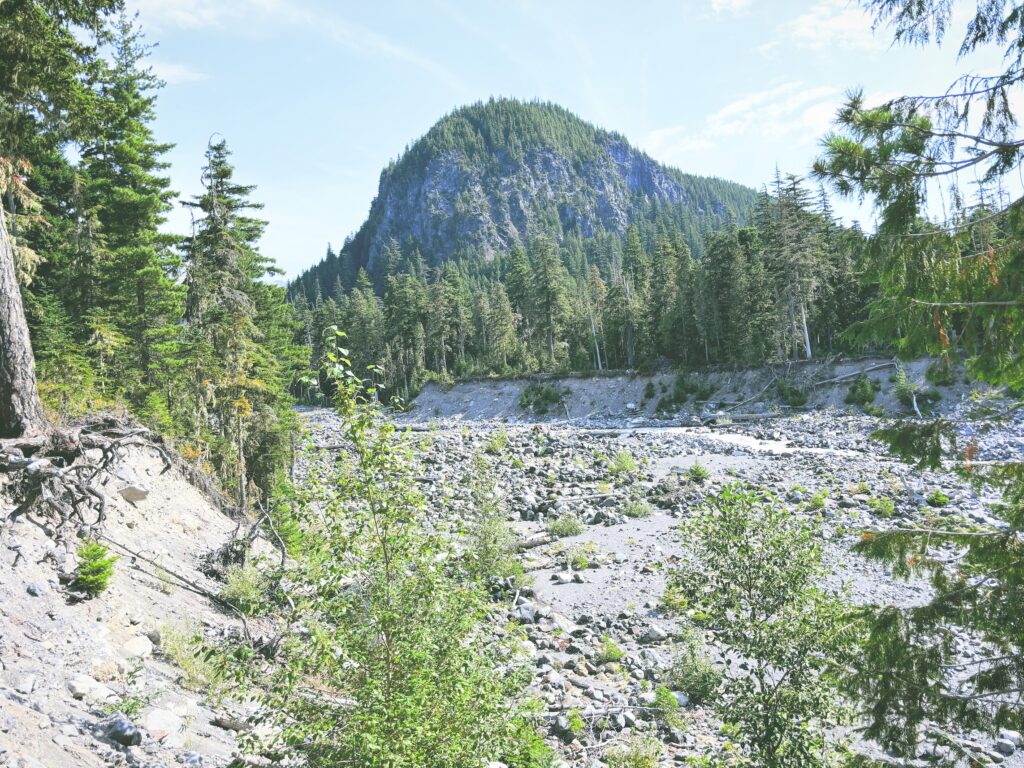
(584, 497)
(734, 417)
(534, 541)
(855, 374)
(743, 402)
(56, 473)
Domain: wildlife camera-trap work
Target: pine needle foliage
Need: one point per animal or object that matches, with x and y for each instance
(951, 288)
(95, 568)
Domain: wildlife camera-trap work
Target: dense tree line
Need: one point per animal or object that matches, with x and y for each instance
(182, 331)
(783, 288)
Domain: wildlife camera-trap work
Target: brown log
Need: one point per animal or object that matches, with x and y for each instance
(21, 412)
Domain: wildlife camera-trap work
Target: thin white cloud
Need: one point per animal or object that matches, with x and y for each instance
(831, 24)
(176, 74)
(791, 112)
(733, 7)
(261, 14)
(198, 14)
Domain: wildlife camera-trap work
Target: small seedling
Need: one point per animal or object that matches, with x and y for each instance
(698, 473)
(95, 568)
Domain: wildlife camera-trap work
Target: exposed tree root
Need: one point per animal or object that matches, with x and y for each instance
(55, 475)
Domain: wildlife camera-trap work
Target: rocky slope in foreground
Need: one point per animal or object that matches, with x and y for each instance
(67, 667)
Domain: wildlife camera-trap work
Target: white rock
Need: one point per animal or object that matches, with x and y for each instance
(85, 687)
(162, 721)
(134, 492)
(1012, 736)
(139, 646)
(655, 634)
(26, 684)
(1005, 747)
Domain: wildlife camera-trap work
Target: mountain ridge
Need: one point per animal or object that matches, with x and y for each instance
(489, 176)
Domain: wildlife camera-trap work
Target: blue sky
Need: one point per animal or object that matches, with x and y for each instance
(315, 97)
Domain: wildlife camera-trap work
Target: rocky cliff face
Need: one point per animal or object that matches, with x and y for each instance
(471, 205)
(488, 177)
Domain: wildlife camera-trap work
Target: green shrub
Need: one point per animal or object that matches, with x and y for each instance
(691, 670)
(283, 522)
(862, 390)
(540, 398)
(639, 753)
(937, 498)
(775, 617)
(622, 463)
(577, 559)
(649, 391)
(609, 651)
(135, 697)
(703, 392)
(491, 542)
(817, 501)
(244, 588)
(95, 568)
(666, 706)
(566, 525)
(909, 392)
(882, 506)
(498, 442)
(790, 393)
(681, 390)
(199, 669)
(577, 724)
(637, 508)
(697, 472)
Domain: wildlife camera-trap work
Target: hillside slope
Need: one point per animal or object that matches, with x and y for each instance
(67, 666)
(489, 176)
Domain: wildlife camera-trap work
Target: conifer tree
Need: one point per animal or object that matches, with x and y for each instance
(953, 287)
(44, 50)
(550, 300)
(232, 394)
(122, 168)
(501, 328)
(663, 297)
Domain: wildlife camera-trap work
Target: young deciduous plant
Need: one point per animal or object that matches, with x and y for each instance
(385, 659)
(752, 579)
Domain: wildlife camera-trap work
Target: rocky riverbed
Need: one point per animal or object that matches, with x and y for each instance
(627, 486)
(595, 506)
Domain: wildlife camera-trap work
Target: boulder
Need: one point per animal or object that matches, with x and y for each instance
(119, 729)
(134, 492)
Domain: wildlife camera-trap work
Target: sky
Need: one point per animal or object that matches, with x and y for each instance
(315, 97)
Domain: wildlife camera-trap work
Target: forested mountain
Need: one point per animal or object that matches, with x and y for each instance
(515, 237)
(492, 175)
(784, 287)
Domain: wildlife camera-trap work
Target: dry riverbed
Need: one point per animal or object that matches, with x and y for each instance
(606, 581)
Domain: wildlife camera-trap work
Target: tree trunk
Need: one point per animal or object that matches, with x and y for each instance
(21, 412)
(807, 337)
(597, 349)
